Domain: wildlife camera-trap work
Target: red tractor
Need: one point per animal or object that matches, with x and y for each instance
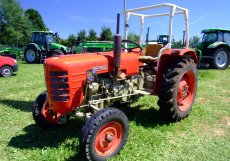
(87, 86)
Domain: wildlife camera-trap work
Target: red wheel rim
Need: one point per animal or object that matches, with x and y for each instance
(108, 138)
(186, 91)
(49, 115)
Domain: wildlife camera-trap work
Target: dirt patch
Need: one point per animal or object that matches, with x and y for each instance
(226, 121)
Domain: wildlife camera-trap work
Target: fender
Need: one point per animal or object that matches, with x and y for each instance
(35, 45)
(198, 53)
(168, 56)
(217, 44)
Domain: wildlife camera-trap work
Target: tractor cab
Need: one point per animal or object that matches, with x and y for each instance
(46, 40)
(163, 39)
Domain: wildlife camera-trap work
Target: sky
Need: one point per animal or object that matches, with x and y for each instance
(70, 16)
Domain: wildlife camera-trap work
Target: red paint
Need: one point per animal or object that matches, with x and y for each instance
(108, 138)
(186, 91)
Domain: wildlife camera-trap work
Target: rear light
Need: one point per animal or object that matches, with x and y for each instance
(59, 85)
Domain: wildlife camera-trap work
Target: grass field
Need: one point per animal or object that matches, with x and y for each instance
(204, 135)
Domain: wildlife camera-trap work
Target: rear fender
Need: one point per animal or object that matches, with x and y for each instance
(218, 44)
(35, 45)
(166, 58)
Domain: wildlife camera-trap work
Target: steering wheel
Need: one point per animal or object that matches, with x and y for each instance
(132, 45)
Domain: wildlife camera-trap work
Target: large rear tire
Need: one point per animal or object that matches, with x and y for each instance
(221, 58)
(42, 114)
(32, 55)
(104, 134)
(178, 90)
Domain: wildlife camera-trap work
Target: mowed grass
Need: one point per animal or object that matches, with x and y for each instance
(204, 135)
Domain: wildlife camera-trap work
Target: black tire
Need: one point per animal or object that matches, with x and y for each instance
(38, 116)
(98, 124)
(56, 52)
(32, 55)
(178, 89)
(6, 71)
(221, 59)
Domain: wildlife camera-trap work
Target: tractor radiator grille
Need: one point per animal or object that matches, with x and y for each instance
(59, 85)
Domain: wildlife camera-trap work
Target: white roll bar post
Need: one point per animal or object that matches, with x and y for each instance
(172, 12)
(187, 28)
(141, 29)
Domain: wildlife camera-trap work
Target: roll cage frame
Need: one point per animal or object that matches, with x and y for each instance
(173, 10)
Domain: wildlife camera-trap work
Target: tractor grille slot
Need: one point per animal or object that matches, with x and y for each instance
(59, 85)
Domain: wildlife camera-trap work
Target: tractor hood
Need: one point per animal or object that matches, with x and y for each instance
(58, 46)
(71, 70)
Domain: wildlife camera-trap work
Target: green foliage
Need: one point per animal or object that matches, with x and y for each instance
(81, 35)
(36, 20)
(106, 34)
(16, 27)
(133, 37)
(92, 35)
(71, 40)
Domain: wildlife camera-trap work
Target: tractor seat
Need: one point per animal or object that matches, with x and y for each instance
(150, 52)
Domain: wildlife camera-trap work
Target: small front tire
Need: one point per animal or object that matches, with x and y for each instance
(6, 71)
(42, 114)
(104, 134)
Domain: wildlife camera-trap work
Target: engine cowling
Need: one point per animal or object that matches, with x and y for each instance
(66, 76)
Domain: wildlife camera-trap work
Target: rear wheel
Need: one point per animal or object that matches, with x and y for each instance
(6, 71)
(178, 90)
(32, 55)
(104, 134)
(43, 116)
(221, 58)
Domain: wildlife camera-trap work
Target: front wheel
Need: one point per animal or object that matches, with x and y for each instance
(221, 58)
(43, 116)
(105, 134)
(178, 90)
(6, 71)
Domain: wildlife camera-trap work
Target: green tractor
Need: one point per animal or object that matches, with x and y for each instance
(44, 44)
(215, 48)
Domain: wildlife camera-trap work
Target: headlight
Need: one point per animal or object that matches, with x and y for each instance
(91, 76)
(15, 61)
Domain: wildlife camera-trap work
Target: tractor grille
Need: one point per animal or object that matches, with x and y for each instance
(59, 85)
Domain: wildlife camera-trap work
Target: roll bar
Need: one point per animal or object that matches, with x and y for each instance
(173, 10)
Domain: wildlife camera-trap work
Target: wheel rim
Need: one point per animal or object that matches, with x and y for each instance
(49, 115)
(186, 91)
(6, 72)
(221, 59)
(108, 138)
(30, 55)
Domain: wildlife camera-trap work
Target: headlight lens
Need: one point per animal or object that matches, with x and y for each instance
(91, 76)
(15, 61)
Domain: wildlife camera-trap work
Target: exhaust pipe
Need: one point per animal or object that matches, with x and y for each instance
(117, 48)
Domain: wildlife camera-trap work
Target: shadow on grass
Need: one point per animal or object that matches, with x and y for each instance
(38, 138)
(35, 137)
(19, 105)
(149, 118)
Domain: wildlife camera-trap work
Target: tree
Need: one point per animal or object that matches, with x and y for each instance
(92, 35)
(71, 40)
(81, 35)
(106, 34)
(133, 37)
(15, 27)
(36, 19)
